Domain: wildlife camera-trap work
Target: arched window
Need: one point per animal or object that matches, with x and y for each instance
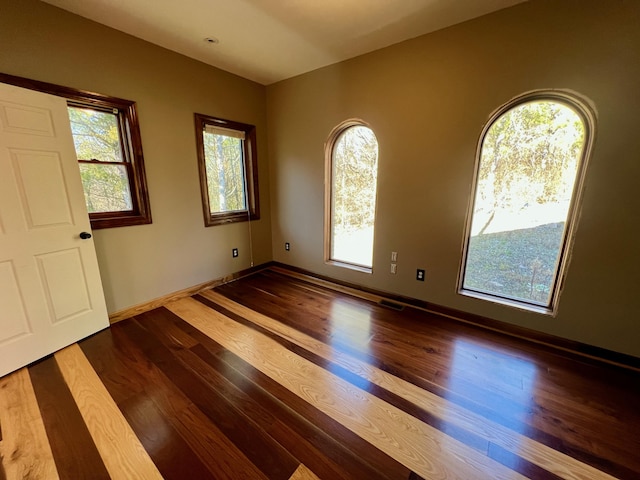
(352, 174)
(529, 172)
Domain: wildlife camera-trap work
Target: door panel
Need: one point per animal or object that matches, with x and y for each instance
(64, 283)
(42, 188)
(17, 118)
(50, 289)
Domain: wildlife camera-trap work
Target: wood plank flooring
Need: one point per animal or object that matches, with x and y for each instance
(274, 377)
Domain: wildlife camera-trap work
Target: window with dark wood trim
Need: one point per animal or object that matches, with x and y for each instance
(227, 163)
(135, 210)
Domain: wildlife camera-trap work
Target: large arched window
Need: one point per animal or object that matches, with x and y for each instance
(529, 172)
(352, 174)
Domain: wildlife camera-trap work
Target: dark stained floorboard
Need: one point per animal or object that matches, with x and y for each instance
(562, 401)
(310, 444)
(168, 450)
(497, 453)
(266, 453)
(139, 374)
(73, 448)
(201, 411)
(289, 405)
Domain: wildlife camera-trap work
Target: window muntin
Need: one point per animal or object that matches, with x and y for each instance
(107, 142)
(104, 171)
(118, 213)
(228, 170)
(529, 173)
(353, 172)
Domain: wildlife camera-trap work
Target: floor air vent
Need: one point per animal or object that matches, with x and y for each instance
(391, 305)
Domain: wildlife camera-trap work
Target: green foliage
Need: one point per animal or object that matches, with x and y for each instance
(528, 164)
(355, 174)
(106, 187)
(95, 135)
(224, 162)
(530, 155)
(97, 138)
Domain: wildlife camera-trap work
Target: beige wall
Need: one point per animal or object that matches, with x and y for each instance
(141, 263)
(427, 100)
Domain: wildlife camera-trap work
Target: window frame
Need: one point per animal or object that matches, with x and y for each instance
(131, 143)
(250, 166)
(329, 147)
(586, 111)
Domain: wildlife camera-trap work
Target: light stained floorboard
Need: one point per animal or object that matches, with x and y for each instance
(272, 377)
(549, 459)
(420, 447)
(24, 449)
(303, 473)
(122, 453)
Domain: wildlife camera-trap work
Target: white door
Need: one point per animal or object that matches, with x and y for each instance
(50, 290)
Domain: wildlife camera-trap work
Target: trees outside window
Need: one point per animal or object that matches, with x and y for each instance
(105, 173)
(352, 167)
(228, 170)
(107, 142)
(107, 139)
(529, 173)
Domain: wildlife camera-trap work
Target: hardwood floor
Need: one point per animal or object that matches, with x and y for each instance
(273, 377)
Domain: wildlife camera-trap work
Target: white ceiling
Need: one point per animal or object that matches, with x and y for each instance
(271, 40)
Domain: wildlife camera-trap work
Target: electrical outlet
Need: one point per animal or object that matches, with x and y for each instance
(394, 268)
(394, 256)
(234, 252)
(287, 246)
(420, 275)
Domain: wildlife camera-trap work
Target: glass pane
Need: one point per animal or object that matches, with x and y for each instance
(224, 164)
(106, 187)
(95, 134)
(528, 167)
(353, 196)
